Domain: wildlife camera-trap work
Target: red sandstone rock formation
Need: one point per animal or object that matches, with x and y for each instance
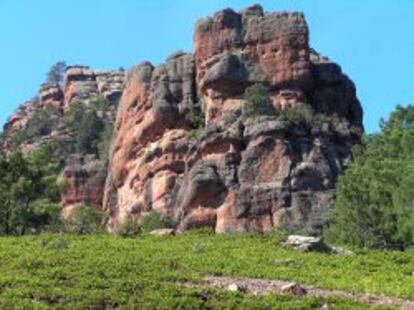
(84, 84)
(243, 174)
(233, 50)
(85, 177)
(84, 183)
(150, 139)
(81, 84)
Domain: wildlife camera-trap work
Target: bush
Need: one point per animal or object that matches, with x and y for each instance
(105, 139)
(196, 134)
(93, 133)
(88, 133)
(74, 116)
(300, 115)
(45, 215)
(129, 229)
(101, 104)
(155, 220)
(17, 138)
(374, 206)
(258, 101)
(195, 116)
(42, 123)
(85, 220)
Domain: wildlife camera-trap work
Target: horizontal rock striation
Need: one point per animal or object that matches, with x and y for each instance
(85, 84)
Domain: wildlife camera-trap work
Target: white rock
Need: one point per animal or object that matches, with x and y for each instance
(307, 244)
(341, 251)
(297, 240)
(163, 232)
(233, 287)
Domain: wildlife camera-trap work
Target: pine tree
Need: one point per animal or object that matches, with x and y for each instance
(375, 199)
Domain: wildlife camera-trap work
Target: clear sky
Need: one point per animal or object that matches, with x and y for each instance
(372, 40)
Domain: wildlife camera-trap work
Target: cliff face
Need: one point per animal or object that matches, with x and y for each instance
(243, 173)
(85, 180)
(44, 120)
(84, 84)
(150, 140)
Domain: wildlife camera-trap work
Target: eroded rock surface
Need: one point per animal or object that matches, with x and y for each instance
(233, 50)
(150, 140)
(84, 84)
(234, 172)
(83, 181)
(81, 84)
(242, 174)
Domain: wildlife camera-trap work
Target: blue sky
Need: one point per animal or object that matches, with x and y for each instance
(371, 39)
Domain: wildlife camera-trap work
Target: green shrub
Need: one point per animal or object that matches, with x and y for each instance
(45, 215)
(42, 123)
(129, 229)
(101, 103)
(105, 139)
(88, 133)
(196, 134)
(154, 220)
(195, 116)
(53, 242)
(93, 133)
(74, 116)
(17, 138)
(258, 101)
(85, 220)
(374, 206)
(300, 115)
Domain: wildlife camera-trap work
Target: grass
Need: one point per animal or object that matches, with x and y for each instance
(106, 272)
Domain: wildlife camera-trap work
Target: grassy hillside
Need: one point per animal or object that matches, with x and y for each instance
(106, 272)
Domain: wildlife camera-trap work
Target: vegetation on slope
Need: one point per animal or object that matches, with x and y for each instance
(101, 271)
(93, 132)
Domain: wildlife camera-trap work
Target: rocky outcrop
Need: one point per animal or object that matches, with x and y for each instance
(84, 84)
(150, 139)
(223, 169)
(84, 175)
(243, 173)
(81, 84)
(83, 181)
(233, 50)
(50, 95)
